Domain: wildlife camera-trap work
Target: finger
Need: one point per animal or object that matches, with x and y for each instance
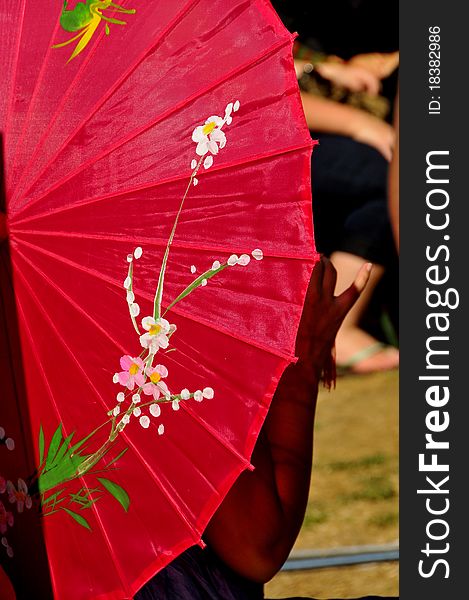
(372, 84)
(318, 271)
(348, 297)
(330, 277)
(362, 277)
(386, 150)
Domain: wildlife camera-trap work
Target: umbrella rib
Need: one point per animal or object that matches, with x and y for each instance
(206, 426)
(176, 20)
(154, 184)
(149, 297)
(75, 305)
(61, 338)
(169, 494)
(37, 83)
(169, 112)
(158, 242)
(81, 478)
(9, 111)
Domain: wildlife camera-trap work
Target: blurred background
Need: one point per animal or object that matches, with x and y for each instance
(346, 58)
(354, 490)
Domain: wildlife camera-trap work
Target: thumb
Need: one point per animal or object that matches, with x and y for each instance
(352, 293)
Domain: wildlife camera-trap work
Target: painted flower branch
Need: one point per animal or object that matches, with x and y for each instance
(143, 379)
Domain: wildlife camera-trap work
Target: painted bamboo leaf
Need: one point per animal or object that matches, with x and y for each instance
(80, 443)
(195, 284)
(54, 446)
(78, 518)
(63, 449)
(41, 445)
(62, 472)
(53, 498)
(117, 491)
(120, 455)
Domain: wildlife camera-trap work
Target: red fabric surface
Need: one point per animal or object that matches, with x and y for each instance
(98, 154)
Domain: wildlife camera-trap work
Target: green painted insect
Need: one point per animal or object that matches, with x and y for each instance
(85, 18)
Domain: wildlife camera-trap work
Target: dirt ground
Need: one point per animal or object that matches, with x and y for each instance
(354, 489)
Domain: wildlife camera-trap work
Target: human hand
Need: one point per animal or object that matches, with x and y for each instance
(323, 313)
(368, 129)
(381, 65)
(352, 77)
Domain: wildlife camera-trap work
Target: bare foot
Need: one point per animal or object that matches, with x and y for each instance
(359, 352)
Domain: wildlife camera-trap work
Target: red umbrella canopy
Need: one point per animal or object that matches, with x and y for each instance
(159, 221)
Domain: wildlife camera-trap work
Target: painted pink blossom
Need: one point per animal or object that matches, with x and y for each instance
(155, 386)
(6, 519)
(132, 373)
(20, 496)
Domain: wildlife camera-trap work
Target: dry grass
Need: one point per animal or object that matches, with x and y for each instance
(354, 489)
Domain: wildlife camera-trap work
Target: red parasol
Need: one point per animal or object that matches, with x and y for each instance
(155, 152)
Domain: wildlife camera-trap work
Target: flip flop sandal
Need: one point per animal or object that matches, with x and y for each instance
(347, 367)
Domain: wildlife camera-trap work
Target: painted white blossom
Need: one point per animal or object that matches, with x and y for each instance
(209, 137)
(155, 410)
(216, 265)
(138, 252)
(257, 254)
(185, 394)
(233, 260)
(144, 421)
(208, 162)
(193, 164)
(116, 410)
(137, 411)
(136, 398)
(228, 111)
(175, 404)
(127, 283)
(195, 181)
(198, 396)
(134, 309)
(203, 283)
(244, 260)
(193, 269)
(157, 334)
(160, 429)
(120, 397)
(208, 393)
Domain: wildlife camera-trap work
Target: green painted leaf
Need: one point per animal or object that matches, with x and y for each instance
(54, 446)
(195, 284)
(83, 497)
(117, 491)
(79, 444)
(159, 289)
(60, 473)
(52, 498)
(78, 518)
(41, 445)
(63, 449)
(120, 455)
